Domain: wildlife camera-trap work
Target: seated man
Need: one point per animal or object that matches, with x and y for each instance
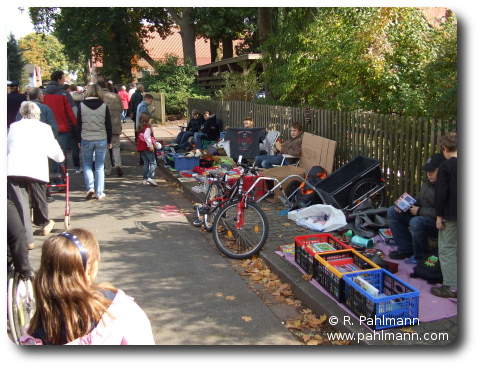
(193, 126)
(411, 229)
(292, 147)
(210, 129)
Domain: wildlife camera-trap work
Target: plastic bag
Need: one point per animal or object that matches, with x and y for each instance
(319, 217)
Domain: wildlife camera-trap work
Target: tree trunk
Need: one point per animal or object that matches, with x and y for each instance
(187, 31)
(264, 24)
(227, 44)
(213, 50)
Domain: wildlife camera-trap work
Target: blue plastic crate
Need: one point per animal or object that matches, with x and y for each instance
(181, 163)
(395, 306)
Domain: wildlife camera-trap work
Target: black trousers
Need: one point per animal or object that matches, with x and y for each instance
(17, 251)
(17, 192)
(38, 198)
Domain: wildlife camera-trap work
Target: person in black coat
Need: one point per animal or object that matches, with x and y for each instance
(193, 127)
(446, 212)
(14, 100)
(210, 130)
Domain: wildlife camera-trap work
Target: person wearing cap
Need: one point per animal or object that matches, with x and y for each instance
(14, 100)
(412, 229)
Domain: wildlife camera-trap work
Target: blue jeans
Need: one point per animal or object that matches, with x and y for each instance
(267, 161)
(411, 232)
(184, 139)
(149, 164)
(89, 149)
(124, 114)
(66, 142)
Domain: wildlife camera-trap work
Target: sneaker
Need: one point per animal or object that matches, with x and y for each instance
(90, 194)
(399, 255)
(119, 172)
(152, 182)
(444, 291)
(144, 182)
(412, 260)
(48, 228)
(101, 196)
(197, 222)
(31, 246)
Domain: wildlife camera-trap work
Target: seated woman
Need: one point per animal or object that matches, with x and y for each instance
(193, 126)
(292, 147)
(210, 129)
(71, 308)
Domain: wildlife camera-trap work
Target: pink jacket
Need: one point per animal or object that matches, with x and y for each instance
(125, 98)
(127, 325)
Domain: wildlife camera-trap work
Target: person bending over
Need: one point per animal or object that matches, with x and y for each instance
(210, 130)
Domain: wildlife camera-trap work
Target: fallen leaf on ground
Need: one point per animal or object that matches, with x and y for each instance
(219, 294)
(294, 324)
(313, 342)
(247, 318)
(407, 329)
(286, 224)
(307, 277)
(230, 297)
(340, 342)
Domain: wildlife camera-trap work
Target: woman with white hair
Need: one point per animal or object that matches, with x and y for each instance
(30, 143)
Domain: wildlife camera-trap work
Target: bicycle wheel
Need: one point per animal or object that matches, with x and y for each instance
(362, 188)
(10, 302)
(246, 241)
(23, 305)
(214, 190)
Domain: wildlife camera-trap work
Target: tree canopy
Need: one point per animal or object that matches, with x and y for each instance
(15, 61)
(387, 60)
(45, 51)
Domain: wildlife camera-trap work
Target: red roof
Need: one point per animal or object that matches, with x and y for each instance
(159, 48)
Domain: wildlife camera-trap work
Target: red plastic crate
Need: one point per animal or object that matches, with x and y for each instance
(305, 255)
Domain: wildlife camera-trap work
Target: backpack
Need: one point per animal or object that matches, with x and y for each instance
(429, 270)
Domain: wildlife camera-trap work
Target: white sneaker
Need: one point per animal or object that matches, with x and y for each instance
(48, 227)
(144, 182)
(152, 182)
(101, 196)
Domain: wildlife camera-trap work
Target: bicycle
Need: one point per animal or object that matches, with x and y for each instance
(20, 303)
(240, 227)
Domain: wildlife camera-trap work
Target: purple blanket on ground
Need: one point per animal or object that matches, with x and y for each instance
(432, 308)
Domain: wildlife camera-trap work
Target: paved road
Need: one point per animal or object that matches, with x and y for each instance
(174, 273)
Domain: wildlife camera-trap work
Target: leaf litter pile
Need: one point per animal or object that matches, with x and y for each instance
(309, 328)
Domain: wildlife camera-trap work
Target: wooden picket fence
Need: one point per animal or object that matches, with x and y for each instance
(401, 144)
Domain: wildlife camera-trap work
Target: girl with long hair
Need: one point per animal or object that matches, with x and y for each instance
(71, 308)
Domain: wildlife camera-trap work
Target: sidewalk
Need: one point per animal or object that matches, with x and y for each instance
(150, 250)
(283, 232)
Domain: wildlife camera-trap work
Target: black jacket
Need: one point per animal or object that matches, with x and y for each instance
(212, 128)
(14, 100)
(446, 190)
(195, 125)
(137, 97)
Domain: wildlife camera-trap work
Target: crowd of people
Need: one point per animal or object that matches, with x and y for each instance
(52, 122)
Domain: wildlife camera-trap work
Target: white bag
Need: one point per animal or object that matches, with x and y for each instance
(319, 217)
